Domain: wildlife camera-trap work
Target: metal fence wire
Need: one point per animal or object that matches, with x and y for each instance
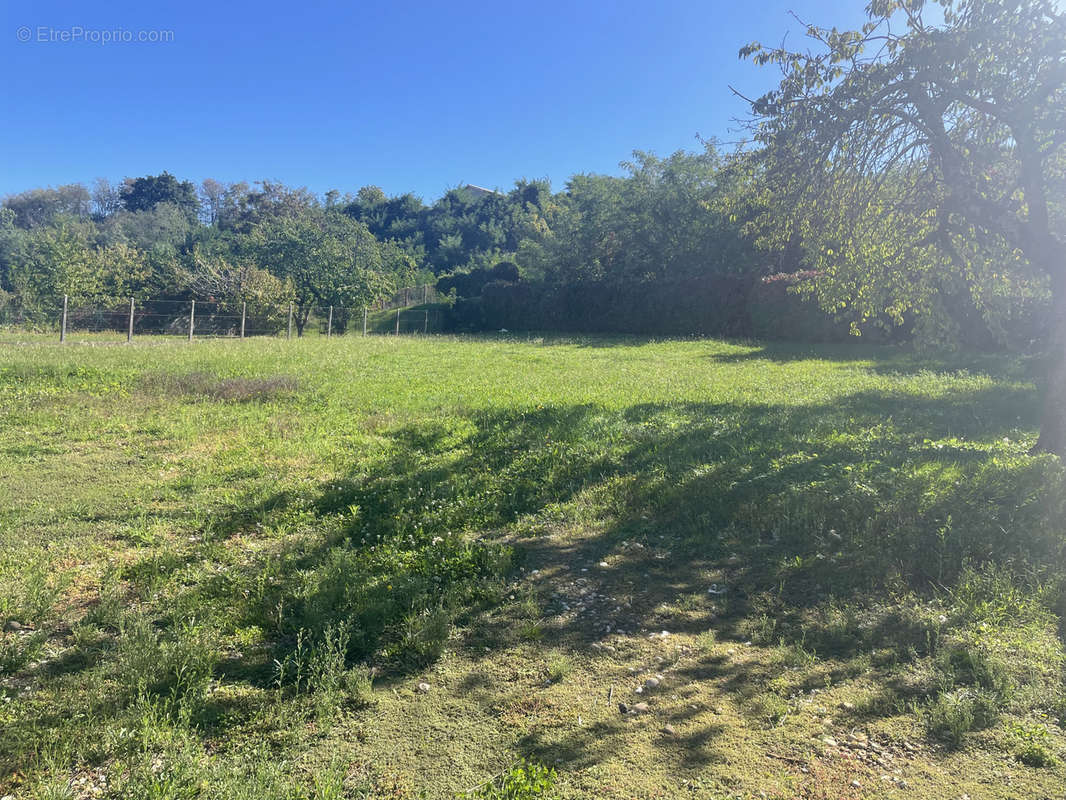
(211, 318)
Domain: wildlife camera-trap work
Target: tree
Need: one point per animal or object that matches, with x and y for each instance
(270, 202)
(212, 200)
(122, 270)
(329, 259)
(144, 194)
(12, 242)
(915, 160)
(39, 207)
(164, 226)
(57, 260)
(106, 198)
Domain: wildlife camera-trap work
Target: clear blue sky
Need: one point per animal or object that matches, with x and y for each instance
(411, 96)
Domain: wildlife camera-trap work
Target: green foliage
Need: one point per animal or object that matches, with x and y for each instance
(559, 667)
(525, 780)
(319, 667)
(954, 714)
(326, 257)
(38, 208)
(969, 665)
(896, 156)
(29, 593)
(144, 194)
(19, 649)
(174, 669)
(56, 261)
(1031, 744)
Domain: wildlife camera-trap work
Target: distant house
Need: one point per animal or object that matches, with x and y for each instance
(477, 192)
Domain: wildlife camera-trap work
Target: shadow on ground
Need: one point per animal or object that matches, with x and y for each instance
(789, 506)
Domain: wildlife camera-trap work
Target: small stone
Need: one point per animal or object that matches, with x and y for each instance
(855, 784)
(669, 730)
(829, 741)
(641, 708)
(847, 706)
(651, 683)
(603, 563)
(11, 626)
(623, 708)
(423, 688)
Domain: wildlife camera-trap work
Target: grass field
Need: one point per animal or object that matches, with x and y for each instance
(392, 567)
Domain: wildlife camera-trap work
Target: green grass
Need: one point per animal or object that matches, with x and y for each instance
(421, 318)
(398, 566)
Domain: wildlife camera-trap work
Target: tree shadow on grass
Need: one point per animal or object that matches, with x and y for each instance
(790, 505)
(884, 359)
(764, 480)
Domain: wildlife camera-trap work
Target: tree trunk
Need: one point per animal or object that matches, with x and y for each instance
(1053, 417)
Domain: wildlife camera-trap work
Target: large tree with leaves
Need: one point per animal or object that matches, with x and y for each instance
(328, 259)
(919, 157)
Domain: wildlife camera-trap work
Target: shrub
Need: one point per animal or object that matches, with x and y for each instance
(505, 271)
(558, 668)
(967, 664)
(954, 714)
(525, 780)
(1031, 744)
(177, 670)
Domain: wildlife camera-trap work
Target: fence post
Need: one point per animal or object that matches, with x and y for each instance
(425, 327)
(329, 325)
(244, 312)
(129, 332)
(289, 335)
(397, 322)
(192, 319)
(425, 293)
(63, 324)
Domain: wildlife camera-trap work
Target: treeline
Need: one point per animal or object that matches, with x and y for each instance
(677, 245)
(160, 240)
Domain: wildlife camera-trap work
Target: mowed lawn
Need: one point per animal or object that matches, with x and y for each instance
(394, 566)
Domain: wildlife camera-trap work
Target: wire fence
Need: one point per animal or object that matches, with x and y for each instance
(211, 318)
(409, 296)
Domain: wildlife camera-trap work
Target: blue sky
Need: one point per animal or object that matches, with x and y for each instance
(410, 96)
